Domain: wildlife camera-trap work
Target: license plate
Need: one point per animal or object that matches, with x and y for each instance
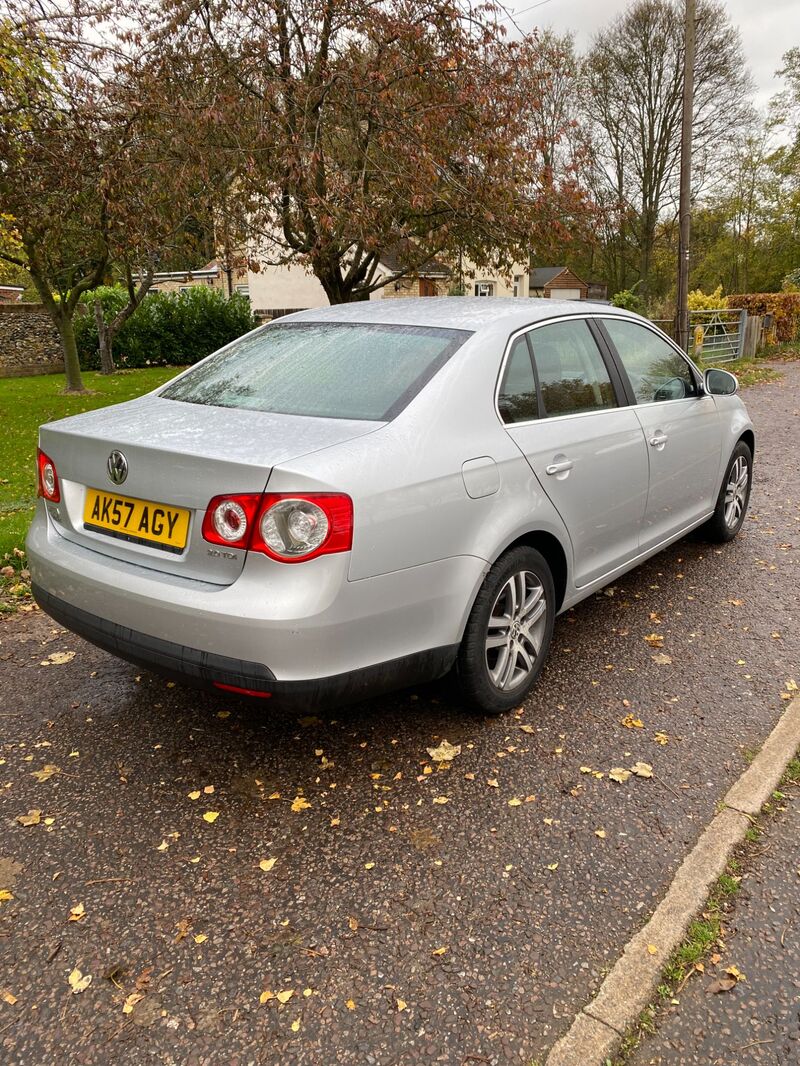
(141, 521)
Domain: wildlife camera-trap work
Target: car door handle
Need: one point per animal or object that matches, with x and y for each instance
(559, 468)
(659, 440)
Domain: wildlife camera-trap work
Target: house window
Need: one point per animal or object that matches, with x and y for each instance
(243, 290)
(484, 288)
(517, 281)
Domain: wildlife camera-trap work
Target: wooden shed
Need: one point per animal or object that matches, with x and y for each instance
(558, 283)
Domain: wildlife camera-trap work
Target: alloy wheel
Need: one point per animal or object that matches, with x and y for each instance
(736, 491)
(516, 629)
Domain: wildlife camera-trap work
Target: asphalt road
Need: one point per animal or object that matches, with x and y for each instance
(416, 911)
(758, 1020)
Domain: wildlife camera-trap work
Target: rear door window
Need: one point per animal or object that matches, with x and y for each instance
(573, 376)
(516, 399)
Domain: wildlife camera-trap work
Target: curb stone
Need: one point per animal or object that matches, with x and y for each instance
(597, 1030)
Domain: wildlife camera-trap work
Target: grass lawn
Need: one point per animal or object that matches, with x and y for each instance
(26, 403)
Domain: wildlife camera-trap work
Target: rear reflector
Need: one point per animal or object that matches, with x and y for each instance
(242, 691)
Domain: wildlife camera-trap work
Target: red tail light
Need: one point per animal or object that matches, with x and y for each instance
(290, 527)
(48, 486)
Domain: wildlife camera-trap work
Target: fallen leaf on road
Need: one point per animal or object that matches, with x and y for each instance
(369, 865)
(736, 973)
(553, 866)
(284, 997)
(439, 951)
(642, 769)
(652, 949)
(266, 865)
(401, 1004)
(655, 640)
(619, 774)
(446, 751)
(265, 996)
(295, 1025)
(661, 659)
(724, 984)
(493, 783)
(58, 658)
(527, 729)
(661, 738)
(209, 789)
(201, 938)
(630, 721)
(515, 802)
(7, 997)
(46, 772)
(300, 804)
(600, 833)
(76, 913)
(5, 895)
(163, 845)
(131, 1000)
(195, 795)
(211, 816)
(33, 817)
(350, 1004)
(441, 799)
(79, 982)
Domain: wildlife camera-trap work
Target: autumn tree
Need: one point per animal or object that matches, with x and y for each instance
(350, 128)
(88, 171)
(634, 79)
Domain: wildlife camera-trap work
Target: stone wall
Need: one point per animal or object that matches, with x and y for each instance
(29, 342)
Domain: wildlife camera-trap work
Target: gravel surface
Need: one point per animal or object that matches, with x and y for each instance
(757, 1021)
(417, 911)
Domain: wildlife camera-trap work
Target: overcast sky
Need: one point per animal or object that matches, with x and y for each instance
(768, 28)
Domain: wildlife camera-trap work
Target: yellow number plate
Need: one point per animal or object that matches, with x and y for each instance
(138, 520)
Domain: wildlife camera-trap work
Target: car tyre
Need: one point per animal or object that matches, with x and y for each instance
(508, 632)
(734, 497)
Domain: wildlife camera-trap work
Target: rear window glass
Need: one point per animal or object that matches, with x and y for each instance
(327, 369)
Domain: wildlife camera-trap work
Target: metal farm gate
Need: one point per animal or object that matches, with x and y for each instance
(723, 333)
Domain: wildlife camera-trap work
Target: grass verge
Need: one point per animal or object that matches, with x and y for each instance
(705, 939)
(25, 404)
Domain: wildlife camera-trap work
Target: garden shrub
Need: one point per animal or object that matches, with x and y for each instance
(628, 301)
(167, 329)
(701, 301)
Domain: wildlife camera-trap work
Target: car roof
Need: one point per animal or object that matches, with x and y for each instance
(472, 313)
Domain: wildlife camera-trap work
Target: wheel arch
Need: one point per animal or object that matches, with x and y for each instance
(748, 438)
(548, 545)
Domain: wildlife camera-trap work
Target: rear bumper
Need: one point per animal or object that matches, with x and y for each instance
(274, 625)
(204, 669)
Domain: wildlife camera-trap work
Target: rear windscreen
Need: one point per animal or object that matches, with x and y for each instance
(326, 369)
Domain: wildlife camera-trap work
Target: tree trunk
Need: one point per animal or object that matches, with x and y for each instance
(104, 340)
(72, 366)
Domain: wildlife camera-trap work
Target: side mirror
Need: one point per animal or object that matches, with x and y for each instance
(720, 382)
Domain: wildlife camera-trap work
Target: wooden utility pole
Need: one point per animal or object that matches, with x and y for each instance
(682, 315)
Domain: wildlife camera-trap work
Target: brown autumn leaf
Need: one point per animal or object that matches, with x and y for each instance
(630, 721)
(722, 984)
(58, 658)
(445, 752)
(77, 913)
(47, 771)
(300, 804)
(642, 769)
(33, 817)
(131, 1000)
(655, 640)
(661, 658)
(619, 774)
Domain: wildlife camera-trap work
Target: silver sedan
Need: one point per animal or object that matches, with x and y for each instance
(355, 498)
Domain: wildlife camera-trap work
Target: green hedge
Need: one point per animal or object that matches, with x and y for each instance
(167, 329)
